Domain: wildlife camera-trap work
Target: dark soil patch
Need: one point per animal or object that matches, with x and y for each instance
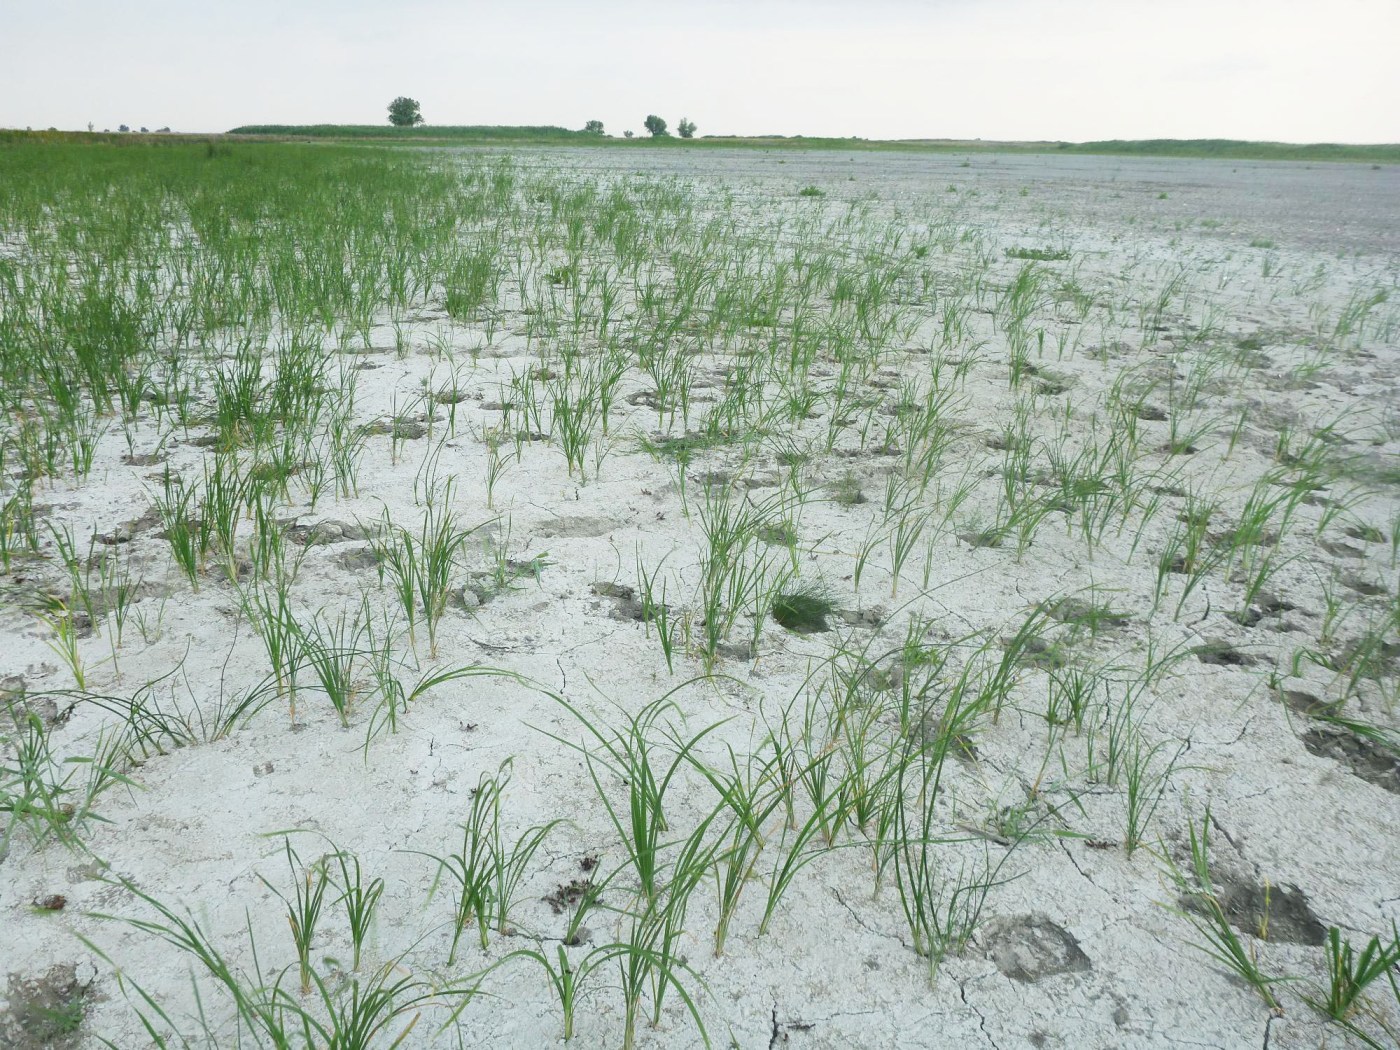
(567, 894)
(1222, 654)
(1341, 550)
(20, 705)
(1030, 948)
(872, 618)
(1272, 604)
(626, 605)
(1279, 914)
(932, 726)
(1370, 658)
(324, 532)
(1308, 705)
(127, 531)
(735, 650)
(45, 1012)
(1368, 759)
(1077, 612)
(991, 538)
(359, 560)
(874, 450)
(1365, 533)
(1249, 617)
(1037, 653)
(1366, 587)
(1002, 443)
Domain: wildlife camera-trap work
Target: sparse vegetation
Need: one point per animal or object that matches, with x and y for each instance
(912, 565)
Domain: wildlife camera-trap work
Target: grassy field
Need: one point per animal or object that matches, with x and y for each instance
(502, 135)
(461, 599)
(469, 133)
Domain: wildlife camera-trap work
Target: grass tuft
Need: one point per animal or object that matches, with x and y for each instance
(1038, 254)
(804, 609)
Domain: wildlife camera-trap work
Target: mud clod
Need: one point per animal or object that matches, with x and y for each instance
(1222, 654)
(1367, 759)
(1279, 914)
(1030, 948)
(46, 1011)
(325, 532)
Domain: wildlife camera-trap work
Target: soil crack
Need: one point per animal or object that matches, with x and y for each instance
(1077, 868)
(981, 1019)
(861, 923)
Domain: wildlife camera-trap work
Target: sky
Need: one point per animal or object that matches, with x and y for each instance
(1070, 70)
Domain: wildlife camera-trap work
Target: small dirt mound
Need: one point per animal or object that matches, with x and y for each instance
(1030, 948)
(1367, 759)
(1280, 914)
(1222, 654)
(46, 1011)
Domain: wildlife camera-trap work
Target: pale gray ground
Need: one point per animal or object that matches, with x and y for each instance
(1082, 948)
(1333, 209)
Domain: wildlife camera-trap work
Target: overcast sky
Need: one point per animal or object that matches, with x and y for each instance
(994, 69)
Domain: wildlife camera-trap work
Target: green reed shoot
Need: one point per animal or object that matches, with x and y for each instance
(309, 884)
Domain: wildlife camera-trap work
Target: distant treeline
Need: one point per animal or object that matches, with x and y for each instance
(1237, 149)
(422, 131)
(150, 139)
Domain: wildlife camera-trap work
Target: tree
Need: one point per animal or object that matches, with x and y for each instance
(656, 126)
(686, 128)
(122, 127)
(627, 134)
(403, 112)
(594, 127)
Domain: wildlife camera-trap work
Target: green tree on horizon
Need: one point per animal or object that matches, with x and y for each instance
(656, 126)
(404, 112)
